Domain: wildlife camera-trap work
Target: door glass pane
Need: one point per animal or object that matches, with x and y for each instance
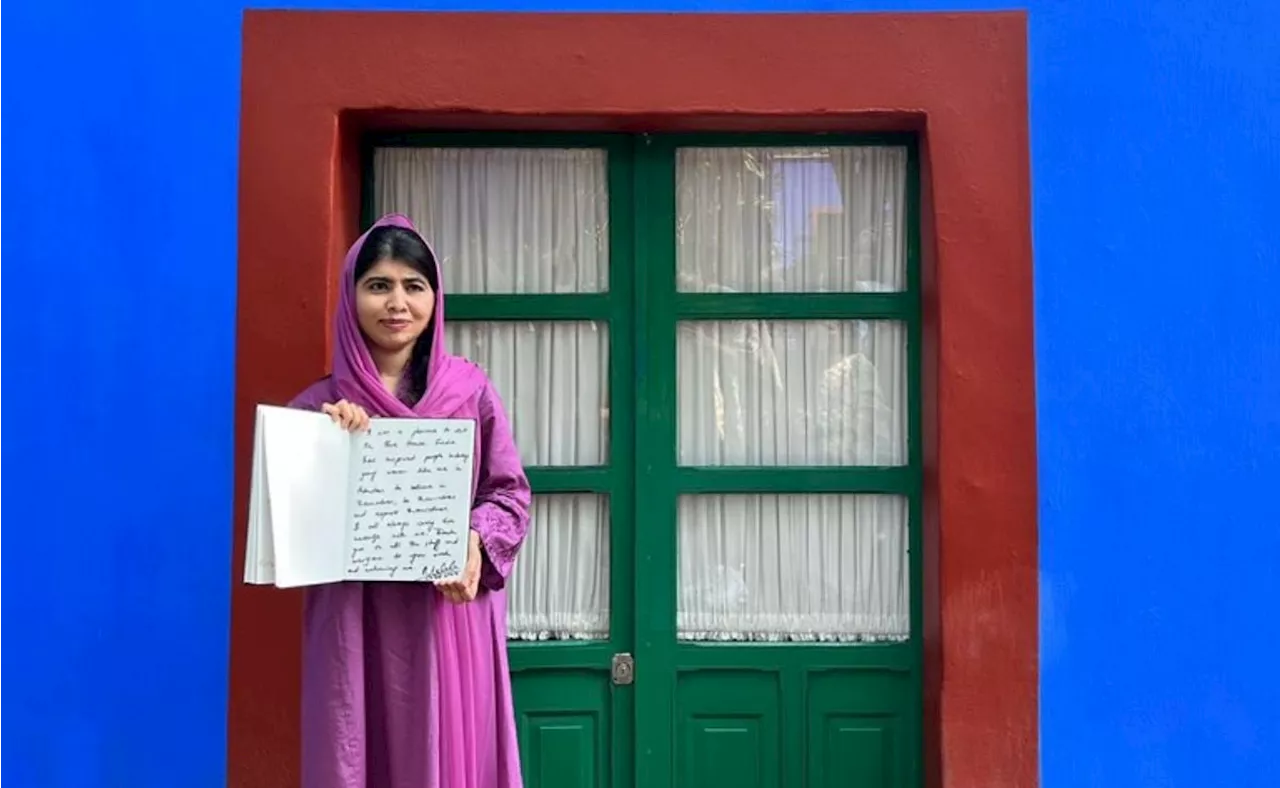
(504, 220)
(792, 392)
(553, 378)
(793, 568)
(766, 220)
(559, 589)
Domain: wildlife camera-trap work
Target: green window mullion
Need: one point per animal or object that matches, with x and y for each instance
(657, 572)
(915, 454)
(548, 479)
(532, 306)
(795, 306)
(895, 480)
(560, 655)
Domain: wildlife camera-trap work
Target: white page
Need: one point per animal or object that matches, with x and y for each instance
(259, 556)
(308, 460)
(411, 500)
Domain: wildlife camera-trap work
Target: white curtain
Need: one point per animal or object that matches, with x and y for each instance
(781, 393)
(529, 221)
(553, 379)
(759, 393)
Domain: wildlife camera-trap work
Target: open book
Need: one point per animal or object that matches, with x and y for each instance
(326, 505)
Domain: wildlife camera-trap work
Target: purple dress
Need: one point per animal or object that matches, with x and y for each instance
(400, 687)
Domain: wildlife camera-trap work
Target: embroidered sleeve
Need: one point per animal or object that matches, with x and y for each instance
(501, 512)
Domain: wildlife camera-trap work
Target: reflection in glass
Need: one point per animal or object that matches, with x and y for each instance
(788, 220)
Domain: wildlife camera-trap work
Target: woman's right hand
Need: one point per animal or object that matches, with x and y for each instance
(347, 415)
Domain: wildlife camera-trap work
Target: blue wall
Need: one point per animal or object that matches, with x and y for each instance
(1156, 155)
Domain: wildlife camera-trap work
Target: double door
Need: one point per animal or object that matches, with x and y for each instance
(709, 351)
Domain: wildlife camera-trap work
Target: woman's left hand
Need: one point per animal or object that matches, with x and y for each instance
(465, 588)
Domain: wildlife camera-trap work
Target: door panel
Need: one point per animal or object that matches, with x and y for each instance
(781, 468)
(565, 722)
(531, 233)
(859, 728)
(729, 729)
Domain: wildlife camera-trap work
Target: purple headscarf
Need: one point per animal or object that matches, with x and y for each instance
(451, 381)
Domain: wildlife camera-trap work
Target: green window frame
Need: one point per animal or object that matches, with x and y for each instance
(643, 478)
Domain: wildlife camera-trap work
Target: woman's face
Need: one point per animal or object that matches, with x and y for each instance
(394, 304)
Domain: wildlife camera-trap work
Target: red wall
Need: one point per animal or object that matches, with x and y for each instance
(314, 80)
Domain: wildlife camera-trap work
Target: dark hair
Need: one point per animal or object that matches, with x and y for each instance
(405, 246)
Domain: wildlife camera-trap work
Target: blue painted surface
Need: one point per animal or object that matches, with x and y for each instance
(1156, 154)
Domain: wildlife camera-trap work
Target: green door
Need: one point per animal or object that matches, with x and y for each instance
(709, 349)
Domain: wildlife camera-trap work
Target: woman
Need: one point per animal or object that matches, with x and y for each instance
(405, 685)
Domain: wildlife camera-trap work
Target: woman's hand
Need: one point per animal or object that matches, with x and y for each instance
(347, 415)
(465, 588)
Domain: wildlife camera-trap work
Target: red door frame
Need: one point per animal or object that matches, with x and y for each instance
(313, 81)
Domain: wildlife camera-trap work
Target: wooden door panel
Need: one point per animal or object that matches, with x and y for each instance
(729, 729)
(565, 724)
(574, 726)
(858, 730)
(783, 723)
(748, 713)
